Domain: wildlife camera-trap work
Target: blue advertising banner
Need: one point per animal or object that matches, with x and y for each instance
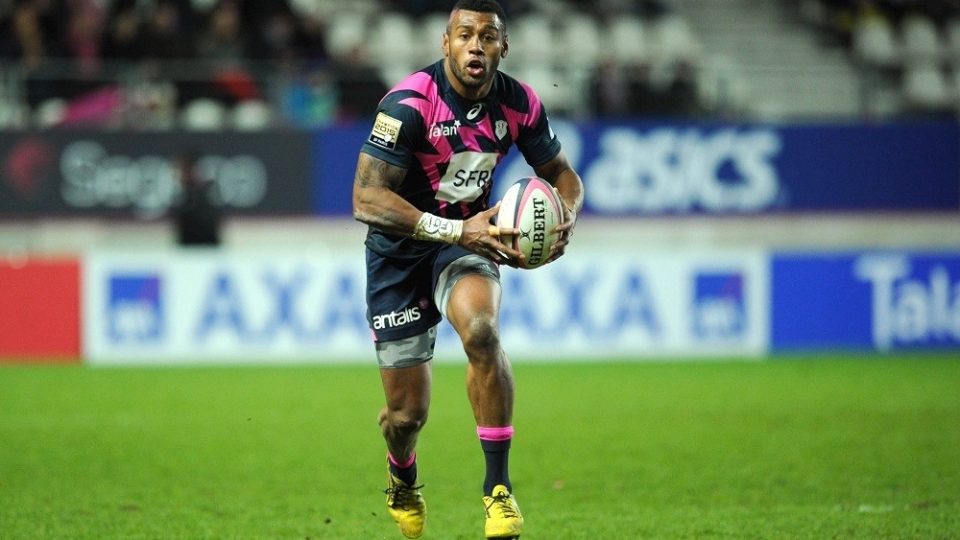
(869, 301)
(637, 169)
(335, 152)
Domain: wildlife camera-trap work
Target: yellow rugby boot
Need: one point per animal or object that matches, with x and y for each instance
(406, 506)
(503, 514)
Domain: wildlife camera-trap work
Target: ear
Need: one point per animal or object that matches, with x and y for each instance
(445, 44)
(506, 47)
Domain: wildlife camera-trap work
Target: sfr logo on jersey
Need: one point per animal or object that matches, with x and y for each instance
(468, 175)
(396, 318)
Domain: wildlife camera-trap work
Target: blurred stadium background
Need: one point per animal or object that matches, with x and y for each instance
(762, 176)
(766, 180)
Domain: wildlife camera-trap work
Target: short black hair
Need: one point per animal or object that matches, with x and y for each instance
(483, 6)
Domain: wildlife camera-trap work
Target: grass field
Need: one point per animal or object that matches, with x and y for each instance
(799, 448)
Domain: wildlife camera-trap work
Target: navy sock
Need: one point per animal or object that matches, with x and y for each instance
(496, 454)
(407, 474)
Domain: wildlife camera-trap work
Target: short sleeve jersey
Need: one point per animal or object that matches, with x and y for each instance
(450, 145)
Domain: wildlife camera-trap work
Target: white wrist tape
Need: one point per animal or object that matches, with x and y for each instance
(438, 229)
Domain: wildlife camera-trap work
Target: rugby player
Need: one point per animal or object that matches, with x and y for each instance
(422, 185)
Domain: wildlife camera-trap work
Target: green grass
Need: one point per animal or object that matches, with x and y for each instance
(799, 448)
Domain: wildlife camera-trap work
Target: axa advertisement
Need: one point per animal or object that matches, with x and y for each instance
(288, 307)
(202, 307)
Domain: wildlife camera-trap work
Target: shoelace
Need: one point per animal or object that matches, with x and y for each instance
(504, 504)
(402, 494)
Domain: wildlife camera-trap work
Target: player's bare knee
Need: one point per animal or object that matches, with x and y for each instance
(481, 339)
(407, 422)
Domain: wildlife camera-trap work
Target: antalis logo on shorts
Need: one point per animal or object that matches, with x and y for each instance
(719, 309)
(396, 318)
(135, 308)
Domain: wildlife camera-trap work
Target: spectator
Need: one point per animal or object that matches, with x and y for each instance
(29, 35)
(83, 39)
(359, 86)
(165, 37)
(610, 91)
(222, 40)
(276, 38)
(197, 218)
(311, 40)
(121, 40)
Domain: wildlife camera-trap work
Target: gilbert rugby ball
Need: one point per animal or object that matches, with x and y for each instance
(531, 206)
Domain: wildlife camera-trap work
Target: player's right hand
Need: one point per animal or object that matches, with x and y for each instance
(481, 236)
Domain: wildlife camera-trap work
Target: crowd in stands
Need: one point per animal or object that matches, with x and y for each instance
(907, 50)
(840, 18)
(152, 59)
(223, 51)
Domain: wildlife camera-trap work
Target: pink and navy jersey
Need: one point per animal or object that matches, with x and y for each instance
(450, 145)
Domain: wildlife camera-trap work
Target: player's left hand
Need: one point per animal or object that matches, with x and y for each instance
(565, 229)
(482, 237)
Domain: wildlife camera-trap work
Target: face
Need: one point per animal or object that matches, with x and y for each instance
(473, 46)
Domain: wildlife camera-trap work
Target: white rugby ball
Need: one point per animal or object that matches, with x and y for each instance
(532, 206)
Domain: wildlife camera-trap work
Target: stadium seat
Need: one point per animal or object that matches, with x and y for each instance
(952, 36)
(627, 40)
(13, 114)
(203, 114)
(920, 39)
(925, 87)
(580, 37)
(532, 39)
(722, 85)
(346, 30)
(311, 8)
(430, 32)
(875, 43)
(251, 115)
(555, 91)
(392, 40)
(203, 6)
(50, 112)
(671, 40)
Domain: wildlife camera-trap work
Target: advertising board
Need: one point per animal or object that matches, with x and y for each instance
(882, 300)
(292, 307)
(39, 309)
(134, 174)
(643, 169)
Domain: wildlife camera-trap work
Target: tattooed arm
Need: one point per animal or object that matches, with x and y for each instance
(375, 201)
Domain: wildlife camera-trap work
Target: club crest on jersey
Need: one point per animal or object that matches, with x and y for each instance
(445, 129)
(474, 111)
(386, 131)
(500, 127)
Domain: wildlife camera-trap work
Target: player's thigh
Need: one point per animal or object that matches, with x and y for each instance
(467, 289)
(474, 300)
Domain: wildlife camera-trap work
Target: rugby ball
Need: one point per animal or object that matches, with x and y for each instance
(532, 206)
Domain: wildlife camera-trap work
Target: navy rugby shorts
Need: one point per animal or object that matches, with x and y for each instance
(403, 294)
